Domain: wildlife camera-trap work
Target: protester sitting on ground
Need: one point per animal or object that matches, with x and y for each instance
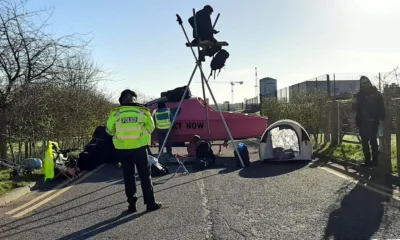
(192, 146)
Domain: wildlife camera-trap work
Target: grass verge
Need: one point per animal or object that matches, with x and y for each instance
(351, 152)
(7, 184)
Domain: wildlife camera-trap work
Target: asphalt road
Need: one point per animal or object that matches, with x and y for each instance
(264, 201)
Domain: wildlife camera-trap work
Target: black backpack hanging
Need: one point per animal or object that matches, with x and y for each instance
(218, 61)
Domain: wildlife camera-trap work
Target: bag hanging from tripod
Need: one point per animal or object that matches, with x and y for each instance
(218, 61)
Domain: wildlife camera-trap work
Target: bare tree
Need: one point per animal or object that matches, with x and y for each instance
(28, 55)
(80, 71)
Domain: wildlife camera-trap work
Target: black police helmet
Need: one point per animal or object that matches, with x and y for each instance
(161, 105)
(127, 96)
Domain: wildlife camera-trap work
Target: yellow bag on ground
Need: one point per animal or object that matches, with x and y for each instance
(48, 161)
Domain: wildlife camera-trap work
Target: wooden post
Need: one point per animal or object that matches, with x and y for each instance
(334, 124)
(398, 137)
(326, 127)
(385, 156)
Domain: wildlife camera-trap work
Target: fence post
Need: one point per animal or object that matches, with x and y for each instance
(328, 86)
(334, 123)
(327, 126)
(340, 122)
(398, 137)
(385, 151)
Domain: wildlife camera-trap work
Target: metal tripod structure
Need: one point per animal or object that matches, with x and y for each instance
(203, 80)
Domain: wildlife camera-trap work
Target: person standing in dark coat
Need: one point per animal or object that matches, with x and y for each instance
(370, 110)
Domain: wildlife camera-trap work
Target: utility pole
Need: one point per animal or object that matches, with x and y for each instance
(256, 85)
(232, 83)
(380, 89)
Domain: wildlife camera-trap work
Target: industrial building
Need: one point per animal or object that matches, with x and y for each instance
(338, 88)
(268, 87)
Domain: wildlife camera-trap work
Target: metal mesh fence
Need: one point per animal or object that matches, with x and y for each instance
(340, 85)
(252, 104)
(283, 94)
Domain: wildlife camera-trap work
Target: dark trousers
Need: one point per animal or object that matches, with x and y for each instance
(161, 135)
(130, 158)
(206, 35)
(368, 134)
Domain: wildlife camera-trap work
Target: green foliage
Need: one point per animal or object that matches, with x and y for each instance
(51, 112)
(309, 108)
(7, 184)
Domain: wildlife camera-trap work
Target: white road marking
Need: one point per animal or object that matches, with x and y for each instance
(37, 198)
(351, 179)
(57, 193)
(395, 195)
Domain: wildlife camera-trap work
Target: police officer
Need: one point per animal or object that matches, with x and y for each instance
(131, 126)
(163, 119)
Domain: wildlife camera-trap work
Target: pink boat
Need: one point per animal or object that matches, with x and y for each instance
(191, 120)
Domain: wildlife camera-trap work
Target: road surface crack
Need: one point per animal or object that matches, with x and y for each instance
(234, 229)
(207, 212)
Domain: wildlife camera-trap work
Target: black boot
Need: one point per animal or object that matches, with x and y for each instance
(132, 205)
(375, 158)
(202, 56)
(367, 163)
(153, 207)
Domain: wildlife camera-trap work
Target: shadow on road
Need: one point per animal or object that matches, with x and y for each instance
(259, 169)
(360, 213)
(102, 226)
(52, 222)
(108, 173)
(23, 223)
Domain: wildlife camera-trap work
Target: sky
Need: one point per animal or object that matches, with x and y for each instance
(143, 46)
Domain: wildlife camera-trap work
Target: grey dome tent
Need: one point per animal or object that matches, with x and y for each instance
(287, 132)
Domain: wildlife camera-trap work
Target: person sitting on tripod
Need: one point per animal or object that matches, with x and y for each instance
(163, 119)
(205, 31)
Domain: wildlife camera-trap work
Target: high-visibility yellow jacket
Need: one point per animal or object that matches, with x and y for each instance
(48, 161)
(163, 118)
(130, 126)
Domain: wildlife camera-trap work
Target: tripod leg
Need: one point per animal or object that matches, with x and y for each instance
(176, 113)
(202, 82)
(206, 108)
(222, 118)
(212, 95)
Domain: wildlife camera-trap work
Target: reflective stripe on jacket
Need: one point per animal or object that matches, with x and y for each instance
(130, 126)
(163, 118)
